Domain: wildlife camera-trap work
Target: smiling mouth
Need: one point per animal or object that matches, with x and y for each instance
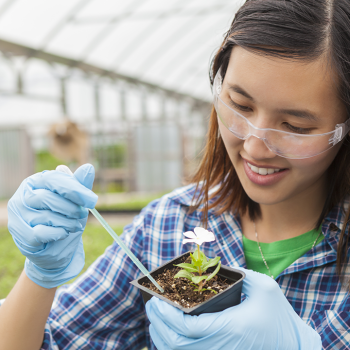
(263, 171)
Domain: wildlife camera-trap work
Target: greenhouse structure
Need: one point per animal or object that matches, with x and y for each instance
(123, 85)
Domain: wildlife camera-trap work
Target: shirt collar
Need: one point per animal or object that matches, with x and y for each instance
(231, 236)
(337, 215)
(186, 196)
(334, 219)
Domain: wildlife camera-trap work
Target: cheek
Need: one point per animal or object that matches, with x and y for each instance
(231, 142)
(317, 165)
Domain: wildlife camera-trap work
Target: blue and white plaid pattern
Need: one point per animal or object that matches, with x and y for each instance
(102, 310)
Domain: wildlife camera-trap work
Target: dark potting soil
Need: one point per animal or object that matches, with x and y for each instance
(180, 291)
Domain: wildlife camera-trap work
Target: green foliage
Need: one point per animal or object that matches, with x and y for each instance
(95, 239)
(199, 264)
(110, 156)
(133, 204)
(188, 267)
(210, 263)
(44, 160)
(185, 274)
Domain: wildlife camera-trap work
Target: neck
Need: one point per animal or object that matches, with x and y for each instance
(287, 219)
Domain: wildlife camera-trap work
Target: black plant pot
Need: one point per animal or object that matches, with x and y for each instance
(231, 296)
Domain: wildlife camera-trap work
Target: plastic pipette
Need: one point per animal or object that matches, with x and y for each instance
(102, 221)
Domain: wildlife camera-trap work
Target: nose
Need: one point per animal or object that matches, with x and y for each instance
(256, 148)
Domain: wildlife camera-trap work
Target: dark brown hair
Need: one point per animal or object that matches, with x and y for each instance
(289, 29)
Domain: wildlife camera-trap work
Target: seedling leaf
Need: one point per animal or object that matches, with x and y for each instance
(188, 267)
(215, 272)
(203, 257)
(195, 262)
(197, 279)
(185, 274)
(196, 256)
(212, 290)
(210, 263)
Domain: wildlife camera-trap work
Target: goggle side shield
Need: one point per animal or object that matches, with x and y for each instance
(285, 144)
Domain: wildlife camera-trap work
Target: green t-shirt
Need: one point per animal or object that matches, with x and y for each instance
(278, 255)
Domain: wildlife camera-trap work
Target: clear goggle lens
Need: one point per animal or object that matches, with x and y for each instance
(285, 144)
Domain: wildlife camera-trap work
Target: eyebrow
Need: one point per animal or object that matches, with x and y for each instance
(304, 114)
(300, 114)
(240, 91)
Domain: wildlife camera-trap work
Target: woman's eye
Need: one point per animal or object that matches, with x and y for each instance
(240, 107)
(297, 129)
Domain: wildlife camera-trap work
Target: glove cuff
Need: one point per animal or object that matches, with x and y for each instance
(309, 339)
(51, 278)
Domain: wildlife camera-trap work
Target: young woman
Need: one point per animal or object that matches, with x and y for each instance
(273, 186)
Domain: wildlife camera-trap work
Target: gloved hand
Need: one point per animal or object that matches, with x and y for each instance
(46, 218)
(263, 321)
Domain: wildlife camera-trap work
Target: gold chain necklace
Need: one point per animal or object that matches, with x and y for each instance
(262, 255)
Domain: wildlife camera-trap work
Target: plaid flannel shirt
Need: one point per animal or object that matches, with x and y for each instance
(102, 310)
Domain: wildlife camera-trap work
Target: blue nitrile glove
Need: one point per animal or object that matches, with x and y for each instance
(263, 321)
(47, 217)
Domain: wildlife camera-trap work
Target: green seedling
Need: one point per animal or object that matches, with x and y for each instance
(194, 271)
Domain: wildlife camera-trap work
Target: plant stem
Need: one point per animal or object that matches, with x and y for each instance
(201, 285)
(199, 256)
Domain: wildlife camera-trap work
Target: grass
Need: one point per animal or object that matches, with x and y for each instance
(44, 160)
(95, 238)
(132, 204)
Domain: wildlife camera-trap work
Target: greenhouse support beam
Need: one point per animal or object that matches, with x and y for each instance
(122, 98)
(97, 102)
(11, 48)
(46, 98)
(63, 96)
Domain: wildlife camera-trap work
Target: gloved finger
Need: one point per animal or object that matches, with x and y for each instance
(169, 339)
(46, 234)
(37, 237)
(24, 232)
(161, 313)
(85, 175)
(197, 332)
(157, 339)
(65, 185)
(43, 234)
(35, 217)
(257, 284)
(42, 199)
(166, 338)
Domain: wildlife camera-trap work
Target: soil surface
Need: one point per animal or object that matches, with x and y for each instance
(180, 291)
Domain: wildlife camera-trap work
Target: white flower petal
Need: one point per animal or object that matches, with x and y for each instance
(199, 231)
(188, 241)
(199, 236)
(190, 234)
(210, 237)
(204, 235)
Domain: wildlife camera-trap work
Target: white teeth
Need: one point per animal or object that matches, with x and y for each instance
(263, 171)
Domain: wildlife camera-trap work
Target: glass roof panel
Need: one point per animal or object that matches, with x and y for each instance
(30, 21)
(156, 6)
(169, 43)
(72, 39)
(104, 9)
(40, 80)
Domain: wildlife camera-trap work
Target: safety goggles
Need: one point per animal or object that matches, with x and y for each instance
(285, 144)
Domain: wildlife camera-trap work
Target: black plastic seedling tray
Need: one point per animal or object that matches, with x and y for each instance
(221, 301)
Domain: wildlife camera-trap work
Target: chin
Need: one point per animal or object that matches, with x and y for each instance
(265, 198)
